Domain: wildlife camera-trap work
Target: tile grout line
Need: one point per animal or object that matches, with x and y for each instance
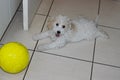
(108, 27)
(99, 6)
(65, 56)
(92, 66)
(77, 59)
(37, 42)
(40, 14)
(47, 14)
(107, 65)
(20, 10)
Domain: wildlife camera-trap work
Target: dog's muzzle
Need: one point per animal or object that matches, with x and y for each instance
(58, 34)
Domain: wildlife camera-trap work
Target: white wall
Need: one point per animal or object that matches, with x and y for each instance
(29, 10)
(7, 10)
(4, 15)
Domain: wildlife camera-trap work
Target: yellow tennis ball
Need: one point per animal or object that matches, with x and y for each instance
(14, 57)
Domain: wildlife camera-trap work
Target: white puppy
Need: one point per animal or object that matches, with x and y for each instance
(62, 30)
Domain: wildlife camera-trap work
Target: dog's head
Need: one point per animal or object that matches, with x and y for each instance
(59, 25)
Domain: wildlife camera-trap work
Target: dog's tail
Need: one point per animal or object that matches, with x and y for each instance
(101, 33)
(96, 20)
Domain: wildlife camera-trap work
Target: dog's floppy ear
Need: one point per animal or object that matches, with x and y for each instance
(72, 26)
(50, 22)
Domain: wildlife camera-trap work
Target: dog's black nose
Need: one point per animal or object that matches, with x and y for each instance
(58, 32)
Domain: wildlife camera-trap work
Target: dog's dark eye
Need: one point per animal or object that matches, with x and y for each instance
(57, 24)
(63, 26)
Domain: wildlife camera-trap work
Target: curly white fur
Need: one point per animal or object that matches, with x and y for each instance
(62, 30)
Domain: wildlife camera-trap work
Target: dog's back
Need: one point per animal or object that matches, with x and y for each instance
(86, 29)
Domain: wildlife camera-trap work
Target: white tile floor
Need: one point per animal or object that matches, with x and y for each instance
(87, 60)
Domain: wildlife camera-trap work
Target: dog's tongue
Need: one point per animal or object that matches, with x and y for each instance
(57, 35)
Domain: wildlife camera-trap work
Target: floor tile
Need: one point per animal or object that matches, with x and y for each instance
(50, 67)
(80, 50)
(44, 7)
(16, 32)
(110, 13)
(108, 51)
(7, 76)
(75, 8)
(101, 72)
